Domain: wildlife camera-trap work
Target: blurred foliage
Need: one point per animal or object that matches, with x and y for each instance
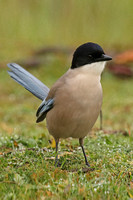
(26, 25)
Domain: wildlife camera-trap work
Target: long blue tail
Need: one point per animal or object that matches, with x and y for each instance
(28, 81)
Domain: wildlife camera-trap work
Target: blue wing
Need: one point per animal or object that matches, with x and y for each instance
(28, 81)
(43, 109)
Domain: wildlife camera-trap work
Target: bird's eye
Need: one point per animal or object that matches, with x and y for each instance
(90, 56)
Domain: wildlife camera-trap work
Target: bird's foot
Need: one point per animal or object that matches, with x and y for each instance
(87, 164)
(88, 168)
(57, 163)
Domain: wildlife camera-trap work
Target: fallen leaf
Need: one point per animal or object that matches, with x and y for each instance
(124, 57)
(81, 190)
(52, 143)
(120, 70)
(15, 143)
(34, 177)
(49, 193)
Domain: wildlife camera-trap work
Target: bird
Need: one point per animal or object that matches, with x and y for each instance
(72, 105)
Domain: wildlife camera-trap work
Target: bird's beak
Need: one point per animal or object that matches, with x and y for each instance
(104, 57)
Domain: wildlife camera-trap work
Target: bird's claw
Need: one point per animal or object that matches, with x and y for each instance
(57, 163)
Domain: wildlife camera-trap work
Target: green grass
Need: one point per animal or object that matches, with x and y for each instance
(27, 159)
(30, 173)
(27, 168)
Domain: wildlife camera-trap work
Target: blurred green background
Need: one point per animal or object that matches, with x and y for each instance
(26, 25)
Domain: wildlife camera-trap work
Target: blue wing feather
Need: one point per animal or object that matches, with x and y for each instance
(43, 109)
(28, 81)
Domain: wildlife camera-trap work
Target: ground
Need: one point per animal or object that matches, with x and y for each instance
(27, 157)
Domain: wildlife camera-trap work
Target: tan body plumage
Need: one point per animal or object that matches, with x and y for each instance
(72, 116)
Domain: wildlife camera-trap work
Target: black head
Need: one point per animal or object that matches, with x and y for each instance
(88, 53)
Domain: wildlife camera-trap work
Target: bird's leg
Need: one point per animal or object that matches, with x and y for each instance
(101, 120)
(81, 144)
(56, 158)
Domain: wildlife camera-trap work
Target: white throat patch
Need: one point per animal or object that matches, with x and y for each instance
(94, 68)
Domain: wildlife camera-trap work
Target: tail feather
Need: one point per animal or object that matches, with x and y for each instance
(28, 81)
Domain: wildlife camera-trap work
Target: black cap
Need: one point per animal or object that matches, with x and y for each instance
(88, 53)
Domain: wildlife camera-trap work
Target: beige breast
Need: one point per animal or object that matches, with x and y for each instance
(78, 100)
